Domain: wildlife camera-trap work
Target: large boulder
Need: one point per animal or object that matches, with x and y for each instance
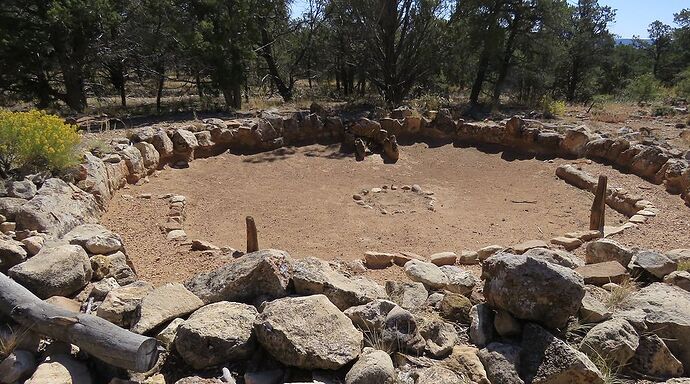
(614, 340)
(440, 337)
(426, 273)
(11, 254)
(314, 276)
(120, 304)
(652, 264)
(95, 238)
(263, 274)
(217, 333)
(57, 208)
(164, 304)
(10, 206)
(532, 289)
(556, 256)
(653, 358)
(373, 366)
(184, 144)
(92, 177)
(149, 155)
(407, 295)
(545, 359)
(603, 250)
(501, 362)
(662, 310)
(459, 280)
(54, 271)
(161, 141)
(135, 164)
(308, 332)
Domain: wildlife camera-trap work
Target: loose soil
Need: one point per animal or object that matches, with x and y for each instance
(302, 201)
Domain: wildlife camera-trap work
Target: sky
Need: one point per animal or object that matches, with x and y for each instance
(632, 16)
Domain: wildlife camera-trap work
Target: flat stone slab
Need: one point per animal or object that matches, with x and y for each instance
(602, 273)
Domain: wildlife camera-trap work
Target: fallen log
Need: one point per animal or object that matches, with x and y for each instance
(98, 337)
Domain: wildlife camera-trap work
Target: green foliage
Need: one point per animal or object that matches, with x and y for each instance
(644, 88)
(682, 87)
(663, 110)
(552, 108)
(35, 141)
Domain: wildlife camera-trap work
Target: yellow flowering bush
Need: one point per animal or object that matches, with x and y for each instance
(35, 141)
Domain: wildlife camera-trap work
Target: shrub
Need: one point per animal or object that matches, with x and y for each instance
(683, 84)
(644, 88)
(552, 108)
(35, 141)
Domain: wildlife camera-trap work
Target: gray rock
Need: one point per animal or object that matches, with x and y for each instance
(489, 251)
(482, 325)
(135, 164)
(464, 361)
(95, 238)
(459, 280)
(443, 258)
(58, 208)
(11, 254)
(378, 260)
(593, 310)
(653, 358)
(681, 279)
(437, 375)
(506, 325)
(662, 310)
(370, 317)
(264, 273)
(184, 143)
(653, 263)
(24, 189)
(426, 273)
(121, 269)
(455, 307)
(313, 276)
(149, 155)
(19, 365)
(33, 244)
(677, 255)
(501, 362)
(164, 304)
(92, 177)
(10, 206)
(532, 289)
(408, 295)
(373, 366)
(217, 333)
(55, 271)
(168, 334)
(614, 340)
(161, 141)
(61, 369)
(603, 250)
(547, 359)
(120, 304)
(401, 332)
(556, 256)
(101, 288)
(308, 332)
(440, 337)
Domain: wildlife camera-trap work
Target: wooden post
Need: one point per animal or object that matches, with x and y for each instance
(252, 237)
(98, 337)
(597, 218)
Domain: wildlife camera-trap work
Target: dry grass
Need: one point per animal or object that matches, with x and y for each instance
(621, 294)
(10, 340)
(610, 117)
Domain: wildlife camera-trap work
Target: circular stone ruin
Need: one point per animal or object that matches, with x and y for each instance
(464, 243)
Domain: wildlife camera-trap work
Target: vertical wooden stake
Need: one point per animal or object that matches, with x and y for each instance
(252, 237)
(597, 218)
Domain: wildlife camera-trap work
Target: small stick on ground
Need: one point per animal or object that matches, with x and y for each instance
(252, 237)
(597, 218)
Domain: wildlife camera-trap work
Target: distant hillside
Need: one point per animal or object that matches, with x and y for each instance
(628, 41)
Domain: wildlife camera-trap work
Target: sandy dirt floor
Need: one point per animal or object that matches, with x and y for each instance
(302, 201)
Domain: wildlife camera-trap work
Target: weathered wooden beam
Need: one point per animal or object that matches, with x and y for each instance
(252, 236)
(98, 337)
(597, 218)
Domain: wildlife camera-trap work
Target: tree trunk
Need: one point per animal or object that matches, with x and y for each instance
(574, 79)
(266, 52)
(98, 337)
(505, 63)
(161, 82)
